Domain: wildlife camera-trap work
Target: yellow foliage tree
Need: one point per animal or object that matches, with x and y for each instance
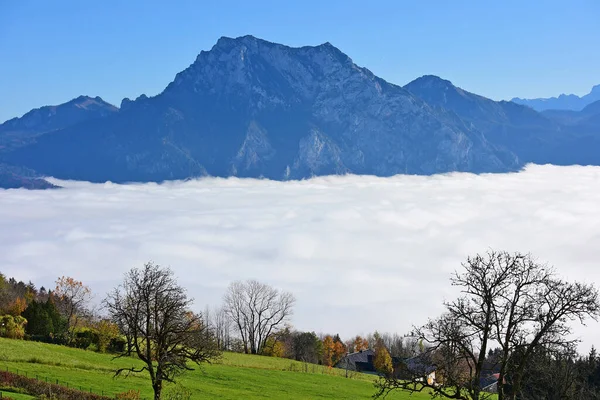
(106, 331)
(274, 348)
(12, 327)
(383, 360)
(328, 350)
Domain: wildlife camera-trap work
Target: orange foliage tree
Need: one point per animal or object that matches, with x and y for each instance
(328, 346)
(333, 350)
(360, 344)
(16, 307)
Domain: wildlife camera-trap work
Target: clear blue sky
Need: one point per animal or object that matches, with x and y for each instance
(52, 51)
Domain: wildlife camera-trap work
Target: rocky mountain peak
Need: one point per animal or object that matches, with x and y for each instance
(431, 81)
(268, 73)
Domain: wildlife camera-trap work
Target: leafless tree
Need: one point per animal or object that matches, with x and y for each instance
(257, 311)
(153, 310)
(220, 323)
(509, 300)
(222, 328)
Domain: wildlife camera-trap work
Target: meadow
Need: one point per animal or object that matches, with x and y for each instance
(235, 376)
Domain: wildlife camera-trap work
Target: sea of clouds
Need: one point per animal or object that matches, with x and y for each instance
(360, 253)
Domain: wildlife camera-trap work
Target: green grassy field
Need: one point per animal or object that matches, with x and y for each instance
(236, 376)
(17, 396)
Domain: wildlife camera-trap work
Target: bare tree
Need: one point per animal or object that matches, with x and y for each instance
(153, 310)
(220, 323)
(73, 299)
(508, 300)
(222, 328)
(257, 311)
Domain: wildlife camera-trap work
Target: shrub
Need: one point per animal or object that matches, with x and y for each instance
(117, 345)
(44, 320)
(40, 388)
(84, 338)
(106, 332)
(178, 392)
(128, 395)
(12, 327)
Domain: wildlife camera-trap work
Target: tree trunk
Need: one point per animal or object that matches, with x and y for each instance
(157, 389)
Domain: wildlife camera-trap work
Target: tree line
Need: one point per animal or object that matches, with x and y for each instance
(507, 335)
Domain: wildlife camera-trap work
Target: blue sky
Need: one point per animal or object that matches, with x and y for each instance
(51, 52)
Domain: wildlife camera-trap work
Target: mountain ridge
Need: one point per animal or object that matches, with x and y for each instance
(561, 102)
(253, 108)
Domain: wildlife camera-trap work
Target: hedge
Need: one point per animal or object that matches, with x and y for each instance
(37, 387)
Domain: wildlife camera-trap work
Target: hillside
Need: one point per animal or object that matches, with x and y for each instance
(235, 376)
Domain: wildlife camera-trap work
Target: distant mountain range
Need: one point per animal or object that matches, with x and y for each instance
(251, 108)
(562, 102)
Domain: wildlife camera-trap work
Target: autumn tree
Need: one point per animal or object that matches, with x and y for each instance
(14, 296)
(257, 311)
(16, 307)
(72, 298)
(274, 347)
(333, 350)
(12, 327)
(328, 350)
(510, 300)
(359, 344)
(106, 331)
(382, 360)
(163, 332)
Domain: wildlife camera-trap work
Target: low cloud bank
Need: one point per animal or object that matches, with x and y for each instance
(360, 253)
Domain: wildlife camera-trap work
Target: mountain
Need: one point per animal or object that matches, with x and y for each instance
(589, 116)
(14, 177)
(527, 133)
(19, 131)
(252, 108)
(562, 102)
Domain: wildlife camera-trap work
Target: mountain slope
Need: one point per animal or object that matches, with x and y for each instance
(589, 116)
(527, 133)
(562, 102)
(252, 108)
(18, 131)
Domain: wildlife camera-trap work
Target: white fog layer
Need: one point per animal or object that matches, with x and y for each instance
(360, 253)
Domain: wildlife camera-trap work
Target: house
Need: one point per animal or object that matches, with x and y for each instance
(418, 368)
(490, 383)
(360, 361)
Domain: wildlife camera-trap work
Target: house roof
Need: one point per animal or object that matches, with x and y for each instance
(420, 365)
(358, 357)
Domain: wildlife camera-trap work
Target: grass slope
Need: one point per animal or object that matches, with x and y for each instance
(235, 376)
